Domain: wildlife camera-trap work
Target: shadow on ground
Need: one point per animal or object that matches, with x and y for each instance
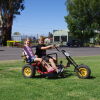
(2, 50)
(65, 74)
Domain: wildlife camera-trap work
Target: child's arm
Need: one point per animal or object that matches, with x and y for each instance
(47, 47)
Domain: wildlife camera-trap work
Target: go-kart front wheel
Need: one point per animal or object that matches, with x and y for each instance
(28, 71)
(83, 71)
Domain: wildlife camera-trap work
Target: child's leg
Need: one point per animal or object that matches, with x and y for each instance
(38, 59)
(45, 64)
(53, 64)
(55, 60)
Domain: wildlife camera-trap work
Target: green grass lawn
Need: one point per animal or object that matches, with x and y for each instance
(13, 86)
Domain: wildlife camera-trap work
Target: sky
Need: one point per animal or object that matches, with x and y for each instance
(41, 17)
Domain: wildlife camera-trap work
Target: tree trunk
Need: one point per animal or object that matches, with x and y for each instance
(7, 30)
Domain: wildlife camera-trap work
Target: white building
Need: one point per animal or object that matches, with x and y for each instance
(60, 36)
(16, 37)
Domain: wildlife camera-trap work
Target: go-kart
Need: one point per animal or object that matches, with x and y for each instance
(29, 70)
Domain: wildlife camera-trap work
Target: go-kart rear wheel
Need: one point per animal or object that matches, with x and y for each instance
(28, 71)
(83, 71)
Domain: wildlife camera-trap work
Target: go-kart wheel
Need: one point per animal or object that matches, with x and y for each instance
(83, 71)
(28, 71)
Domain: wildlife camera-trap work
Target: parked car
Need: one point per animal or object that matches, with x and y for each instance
(74, 43)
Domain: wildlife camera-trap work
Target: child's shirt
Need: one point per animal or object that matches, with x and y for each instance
(28, 52)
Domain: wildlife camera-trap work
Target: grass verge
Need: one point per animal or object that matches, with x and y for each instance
(13, 86)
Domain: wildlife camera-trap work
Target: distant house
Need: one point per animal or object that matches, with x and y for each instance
(47, 41)
(60, 36)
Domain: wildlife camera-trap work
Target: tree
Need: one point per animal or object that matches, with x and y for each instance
(8, 10)
(83, 18)
(97, 38)
(16, 33)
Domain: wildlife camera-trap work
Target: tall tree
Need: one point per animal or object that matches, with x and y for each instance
(8, 9)
(83, 18)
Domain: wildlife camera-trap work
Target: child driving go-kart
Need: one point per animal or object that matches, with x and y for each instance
(41, 53)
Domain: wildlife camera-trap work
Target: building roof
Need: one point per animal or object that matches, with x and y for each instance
(60, 32)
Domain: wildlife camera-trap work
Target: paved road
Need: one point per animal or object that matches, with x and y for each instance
(9, 53)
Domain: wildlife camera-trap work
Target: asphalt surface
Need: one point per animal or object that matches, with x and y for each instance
(13, 53)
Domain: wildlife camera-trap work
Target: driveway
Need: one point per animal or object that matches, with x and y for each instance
(9, 53)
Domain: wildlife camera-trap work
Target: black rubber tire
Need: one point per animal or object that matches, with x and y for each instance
(28, 71)
(83, 71)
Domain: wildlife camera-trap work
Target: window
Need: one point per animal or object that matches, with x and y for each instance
(64, 38)
(56, 38)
